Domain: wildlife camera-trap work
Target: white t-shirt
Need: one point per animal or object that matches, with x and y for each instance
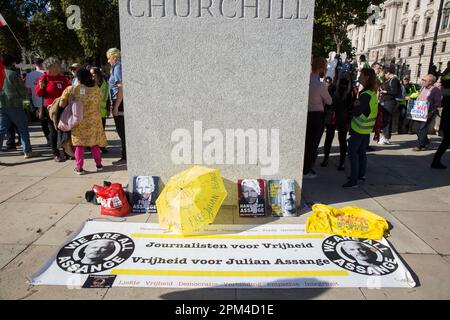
(30, 82)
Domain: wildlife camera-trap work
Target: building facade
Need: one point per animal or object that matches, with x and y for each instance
(403, 33)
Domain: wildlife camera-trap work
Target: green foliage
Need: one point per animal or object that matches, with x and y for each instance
(99, 26)
(334, 17)
(11, 11)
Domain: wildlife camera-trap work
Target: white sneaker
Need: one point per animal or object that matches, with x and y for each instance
(29, 155)
(382, 141)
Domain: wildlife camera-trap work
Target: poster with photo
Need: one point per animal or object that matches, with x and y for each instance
(282, 198)
(144, 191)
(252, 197)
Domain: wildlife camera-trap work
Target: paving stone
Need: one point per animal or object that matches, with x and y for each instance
(8, 252)
(432, 227)
(170, 294)
(13, 279)
(58, 190)
(23, 223)
(300, 294)
(59, 233)
(10, 186)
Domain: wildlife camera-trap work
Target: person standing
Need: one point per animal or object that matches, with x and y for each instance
(116, 96)
(73, 70)
(365, 111)
(89, 132)
(11, 109)
(433, 98)
(36, 102)
(336, 117)
(445, 122)
(404, 124)
(100, 82)
(389, 91)
(318, 98)
(50, 86)
(362, 64)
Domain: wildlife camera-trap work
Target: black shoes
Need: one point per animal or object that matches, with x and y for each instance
(350, 184)
(438, 165)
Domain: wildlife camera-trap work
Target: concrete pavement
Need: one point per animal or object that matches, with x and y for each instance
(42, 203)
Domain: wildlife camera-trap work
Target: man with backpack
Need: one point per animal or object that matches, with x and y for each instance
(389, 91)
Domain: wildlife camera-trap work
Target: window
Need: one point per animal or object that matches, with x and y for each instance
(445, 18)
(414, 29)
(422, 49)
(419, 66)
(381, 35)
(406, 7)
(364, 43)
(403, 31)
(418, 4)
(410, 52)
(444, 45)
(427, 24)
(399, 53)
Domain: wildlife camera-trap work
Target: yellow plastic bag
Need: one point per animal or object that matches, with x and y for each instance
(348, 221)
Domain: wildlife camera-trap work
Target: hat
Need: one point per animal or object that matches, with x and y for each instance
(75, 66)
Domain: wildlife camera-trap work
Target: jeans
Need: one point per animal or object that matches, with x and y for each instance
(357, 145)
(422, 132)
(314, 131)
(17, 117)
(342, 134)
(79, 156)
(387, 124)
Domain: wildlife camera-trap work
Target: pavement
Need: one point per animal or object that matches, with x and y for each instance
(42, 203)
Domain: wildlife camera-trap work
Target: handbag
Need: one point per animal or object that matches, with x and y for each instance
(72, 115)
(113, 201)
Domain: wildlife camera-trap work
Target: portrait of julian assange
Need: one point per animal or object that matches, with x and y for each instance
(145, 189)
(97, 251)
(286, 197)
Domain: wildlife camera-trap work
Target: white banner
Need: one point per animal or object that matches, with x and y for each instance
(118, 254)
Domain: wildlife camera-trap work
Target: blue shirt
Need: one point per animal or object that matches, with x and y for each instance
(116, 76)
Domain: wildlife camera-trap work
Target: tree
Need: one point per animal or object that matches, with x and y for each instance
(11, 11)
(99, 26)
(335, 16)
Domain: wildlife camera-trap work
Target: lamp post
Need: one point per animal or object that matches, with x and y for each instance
(420, 58)
(436, 31)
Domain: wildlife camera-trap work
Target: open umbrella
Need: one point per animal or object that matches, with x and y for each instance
(191, 200)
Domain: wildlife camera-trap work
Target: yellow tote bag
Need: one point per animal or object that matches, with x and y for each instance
(348, 221)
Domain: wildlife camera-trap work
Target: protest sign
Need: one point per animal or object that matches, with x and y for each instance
(113, 254)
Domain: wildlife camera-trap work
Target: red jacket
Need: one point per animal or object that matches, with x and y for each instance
(55, 86)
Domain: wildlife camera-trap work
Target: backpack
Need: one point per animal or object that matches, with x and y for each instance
(72, 114)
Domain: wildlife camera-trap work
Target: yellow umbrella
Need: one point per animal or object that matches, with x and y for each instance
(191, 200)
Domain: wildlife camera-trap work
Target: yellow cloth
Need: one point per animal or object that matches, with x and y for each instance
(347, 222)
(89, 132)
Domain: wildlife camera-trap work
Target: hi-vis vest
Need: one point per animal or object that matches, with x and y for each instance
(362, 124)
(103, 99)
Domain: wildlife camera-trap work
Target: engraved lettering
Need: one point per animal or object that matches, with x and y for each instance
(175, 11)
(151, 5)
(201, 7)
(130, 11)
(222, 11)
(255, 6)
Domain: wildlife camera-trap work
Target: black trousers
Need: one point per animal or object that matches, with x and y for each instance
(314, 131)
(120, 128)
(342, 135)
(52, 133)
